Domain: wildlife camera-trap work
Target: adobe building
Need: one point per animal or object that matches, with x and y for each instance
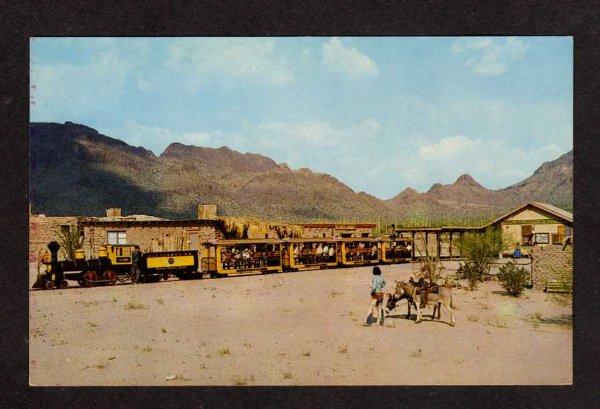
(535, 224)
(149, 232)
(150, 235)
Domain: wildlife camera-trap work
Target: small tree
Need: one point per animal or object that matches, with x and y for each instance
(513, 278)
(70, 240)
(479, 250)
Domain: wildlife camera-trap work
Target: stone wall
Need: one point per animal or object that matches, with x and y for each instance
(42, 230)
(550, 263)
(149, 238)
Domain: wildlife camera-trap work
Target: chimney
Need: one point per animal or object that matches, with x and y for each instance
(113, 212)
(207, 212)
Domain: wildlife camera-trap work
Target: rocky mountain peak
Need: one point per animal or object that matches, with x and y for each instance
(466, 180)
(409, 192)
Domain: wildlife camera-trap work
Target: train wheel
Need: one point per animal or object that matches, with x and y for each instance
(110, 276)
(90, 278)
(49, 285)
(64, 284)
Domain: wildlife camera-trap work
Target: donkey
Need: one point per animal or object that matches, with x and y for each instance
(403, 291)
(414, 294)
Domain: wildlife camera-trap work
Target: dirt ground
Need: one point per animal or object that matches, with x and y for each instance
(303, 328)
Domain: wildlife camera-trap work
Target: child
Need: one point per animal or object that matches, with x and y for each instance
(377, 284)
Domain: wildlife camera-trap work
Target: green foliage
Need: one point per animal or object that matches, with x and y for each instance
(473, 273)
(481, 249)
(70, 240)
(513, 278)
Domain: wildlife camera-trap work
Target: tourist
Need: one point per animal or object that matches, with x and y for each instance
(376, 314)
(374, 252)
(325, 251)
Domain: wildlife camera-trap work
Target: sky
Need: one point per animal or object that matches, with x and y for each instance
(378, 113)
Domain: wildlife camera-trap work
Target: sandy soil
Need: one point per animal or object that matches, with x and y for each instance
(301, 328)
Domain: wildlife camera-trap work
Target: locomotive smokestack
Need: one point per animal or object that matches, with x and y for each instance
(53, 247)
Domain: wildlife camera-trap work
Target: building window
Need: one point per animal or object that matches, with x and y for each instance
(116, 237)
(364, 234)
(65, 229)
(542, 238)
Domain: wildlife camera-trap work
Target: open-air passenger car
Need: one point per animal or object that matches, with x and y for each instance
(230, 257)
(395, 249)
(304, 254)
(358, 251)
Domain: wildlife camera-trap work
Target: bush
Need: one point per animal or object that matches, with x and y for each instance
(70, 240)
(513, 278)
(479, 250)
(473, 273)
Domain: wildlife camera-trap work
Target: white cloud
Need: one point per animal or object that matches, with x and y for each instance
(446, 147)
(347, 60)
(253, 59)
(490, 57)
(484, 159)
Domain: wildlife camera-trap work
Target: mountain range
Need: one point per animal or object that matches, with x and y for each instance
(74, 170)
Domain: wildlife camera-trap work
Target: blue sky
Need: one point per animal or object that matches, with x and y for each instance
(379, 113)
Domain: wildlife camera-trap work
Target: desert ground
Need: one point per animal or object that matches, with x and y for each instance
(303, 328)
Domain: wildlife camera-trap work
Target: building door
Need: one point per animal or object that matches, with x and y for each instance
(560, 234)
(527, 234)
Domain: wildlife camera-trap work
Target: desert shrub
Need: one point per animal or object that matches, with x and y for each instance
(479, 250)
(473, 273)
(513, 278)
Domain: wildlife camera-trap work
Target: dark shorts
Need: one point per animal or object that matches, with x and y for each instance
(377, 296)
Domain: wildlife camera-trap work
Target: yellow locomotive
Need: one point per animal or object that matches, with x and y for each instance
(113, 264)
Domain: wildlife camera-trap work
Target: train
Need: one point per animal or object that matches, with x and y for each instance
(221, 258)
(113, 265)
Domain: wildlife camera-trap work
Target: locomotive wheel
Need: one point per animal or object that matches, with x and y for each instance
(49, 285)
(90, 278)
(64, 284)
(110, 276)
